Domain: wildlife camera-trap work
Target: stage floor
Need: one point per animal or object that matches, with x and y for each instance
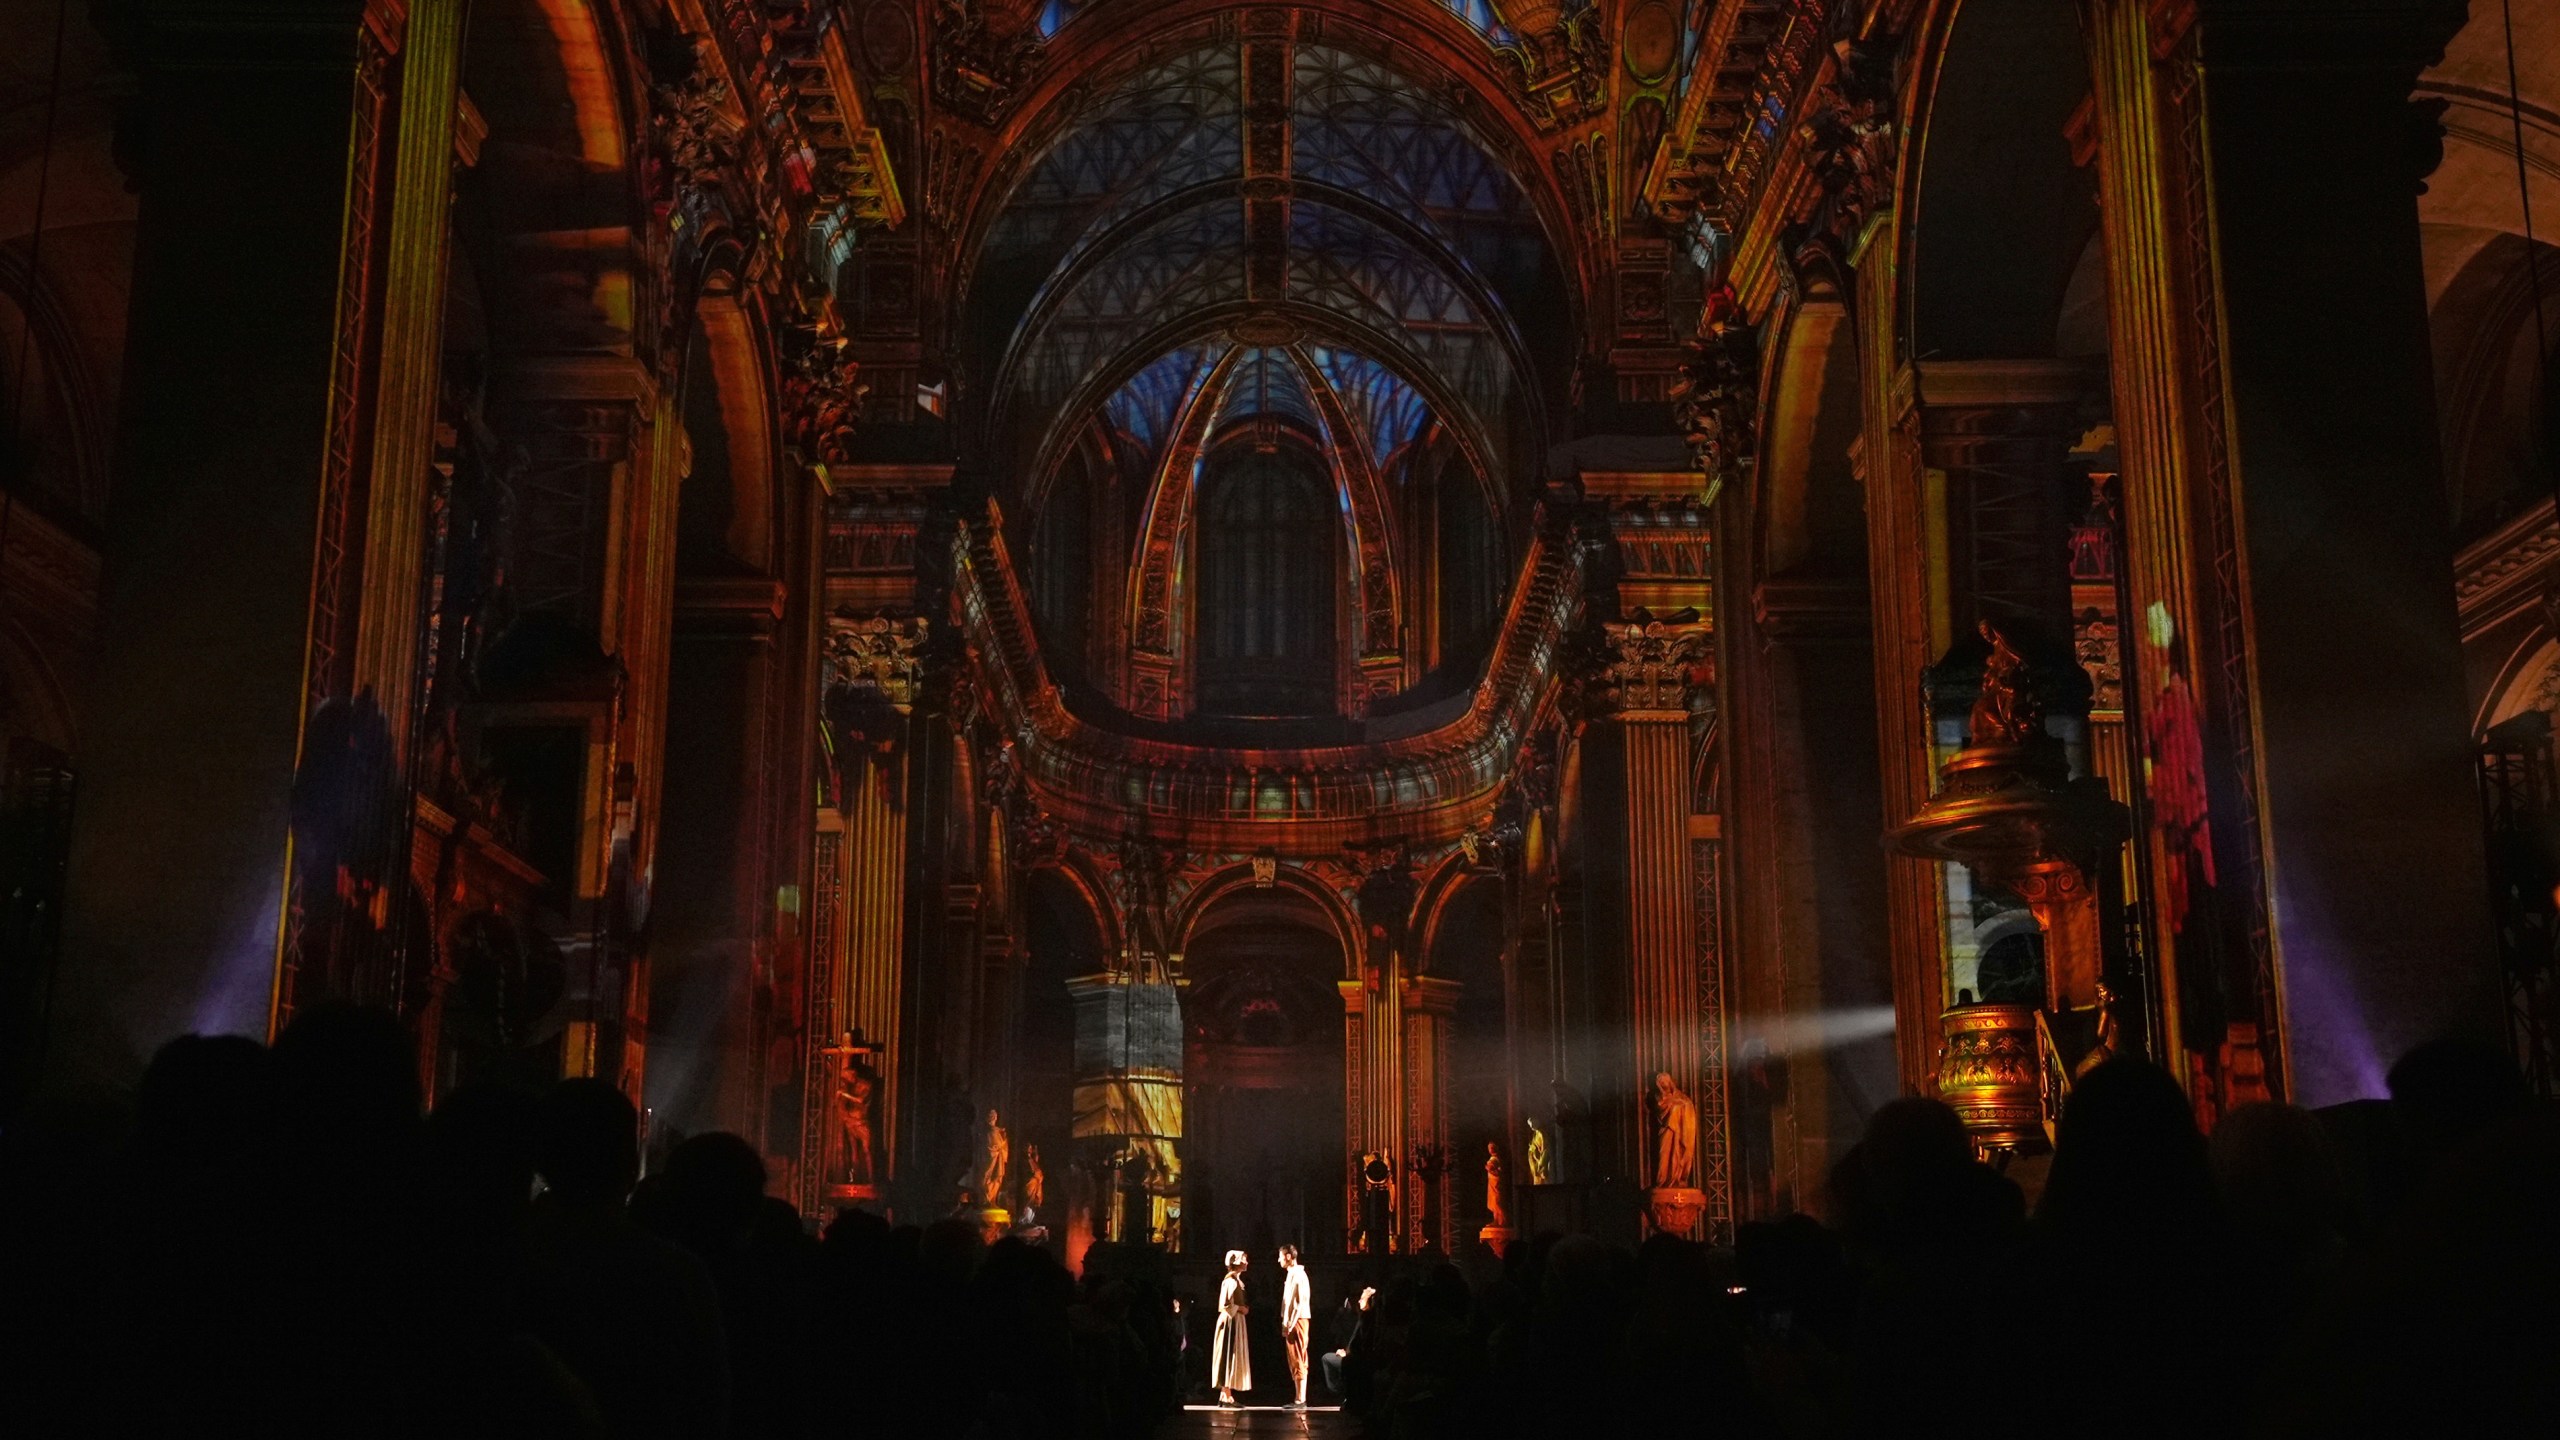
(1199, 1422)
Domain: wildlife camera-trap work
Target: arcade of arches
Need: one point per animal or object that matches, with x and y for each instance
(1276, 592)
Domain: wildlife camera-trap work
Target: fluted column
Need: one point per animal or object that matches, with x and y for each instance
(873, 668)
(1373, 1089)
(411, 359)
(1430, 1011)
(1650, 667)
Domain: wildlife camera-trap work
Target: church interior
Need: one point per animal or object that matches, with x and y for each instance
(802, 717)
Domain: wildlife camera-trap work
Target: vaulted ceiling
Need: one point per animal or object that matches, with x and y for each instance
(1301, 227)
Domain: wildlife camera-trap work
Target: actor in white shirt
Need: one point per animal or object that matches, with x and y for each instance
(1297, 1306)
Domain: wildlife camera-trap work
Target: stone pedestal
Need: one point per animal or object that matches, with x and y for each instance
(1674, 1209)
(1564, 1209)
(1497, 1236)
(994, 1223)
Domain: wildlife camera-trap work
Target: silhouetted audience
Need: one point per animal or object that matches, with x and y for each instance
(279, 1242)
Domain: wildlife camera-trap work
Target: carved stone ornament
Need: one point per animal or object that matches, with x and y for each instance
(822, 403)
(696, 141)
(1851, 143)
(1716, 399)
(1649, 664)
(880, 653)
(1563, 58)
(985, 52)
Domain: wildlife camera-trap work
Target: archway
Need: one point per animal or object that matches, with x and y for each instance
(1262, 1082)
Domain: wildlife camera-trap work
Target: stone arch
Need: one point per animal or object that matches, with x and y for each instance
(1292, 891)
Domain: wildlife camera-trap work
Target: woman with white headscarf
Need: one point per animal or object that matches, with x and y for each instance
(1230, 1367)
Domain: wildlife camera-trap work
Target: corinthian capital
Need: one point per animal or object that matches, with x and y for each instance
(879, 654)
(1649, 665)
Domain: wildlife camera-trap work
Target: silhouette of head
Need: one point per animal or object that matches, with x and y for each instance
(2127, 1157)
(204, 1099)
(589, 1150)
(2456, 1086)
(715, 1187)
(349, 1075)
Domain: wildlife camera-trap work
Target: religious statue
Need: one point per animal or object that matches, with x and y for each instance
(1675, 1135)
(995, 1152)
(853, 1120)
(1035, 1185)
(1498, 1215)
(2110, 1039)
(2005, 713)
(1538, 1162)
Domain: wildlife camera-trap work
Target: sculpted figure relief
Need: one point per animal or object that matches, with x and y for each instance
(1500, 1214)
(1538, 1158)
(853, 1122)
(1675, 1135)
(2005, 713)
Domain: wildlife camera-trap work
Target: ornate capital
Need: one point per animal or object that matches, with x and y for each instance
(1650, 665)
(821, 401)
(695, 138)
(984, 53)
(1716, 400)
(881, 656)
(1851, 143)
(1563, 59)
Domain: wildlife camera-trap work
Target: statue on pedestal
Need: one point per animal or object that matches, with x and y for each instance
(1498, 1215)
(1538, 1162)
(995, 1153)
(1675, 1135)
(854, 1165)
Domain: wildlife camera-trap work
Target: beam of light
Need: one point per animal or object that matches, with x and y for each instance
(1788, 1036)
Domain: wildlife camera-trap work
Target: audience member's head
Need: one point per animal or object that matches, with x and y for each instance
(2277, 1178)
(589, 1145)
(2128, 1164)
(713, 1190)
(348, 1077)
(2449, 1089)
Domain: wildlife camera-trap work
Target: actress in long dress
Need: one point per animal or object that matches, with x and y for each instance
(1230, 1364)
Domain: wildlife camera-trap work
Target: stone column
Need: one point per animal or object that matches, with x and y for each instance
(1373, 1089)
(1911, 629)
(2285, 528)
(1430, 1012)
(1649, 669)
(411, 360)
(244, 125)
(714, 872)
(1800, 700)
(874, 666)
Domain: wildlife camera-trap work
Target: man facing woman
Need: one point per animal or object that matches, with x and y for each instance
(1230, 1363)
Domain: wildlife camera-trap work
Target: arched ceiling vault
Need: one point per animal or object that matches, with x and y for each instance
(1264, 178)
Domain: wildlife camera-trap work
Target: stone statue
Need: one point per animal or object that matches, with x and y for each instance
(1538, 1162)
(1035, 1185)
(994, 1154)
(2005, 713)
(2110, 1038)
(1675, 1135)
(1497, 1213)
(853, 1121)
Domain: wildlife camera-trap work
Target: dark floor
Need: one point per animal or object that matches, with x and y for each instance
(1199, 1422)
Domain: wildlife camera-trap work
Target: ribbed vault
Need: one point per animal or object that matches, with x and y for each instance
(1267, 236)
